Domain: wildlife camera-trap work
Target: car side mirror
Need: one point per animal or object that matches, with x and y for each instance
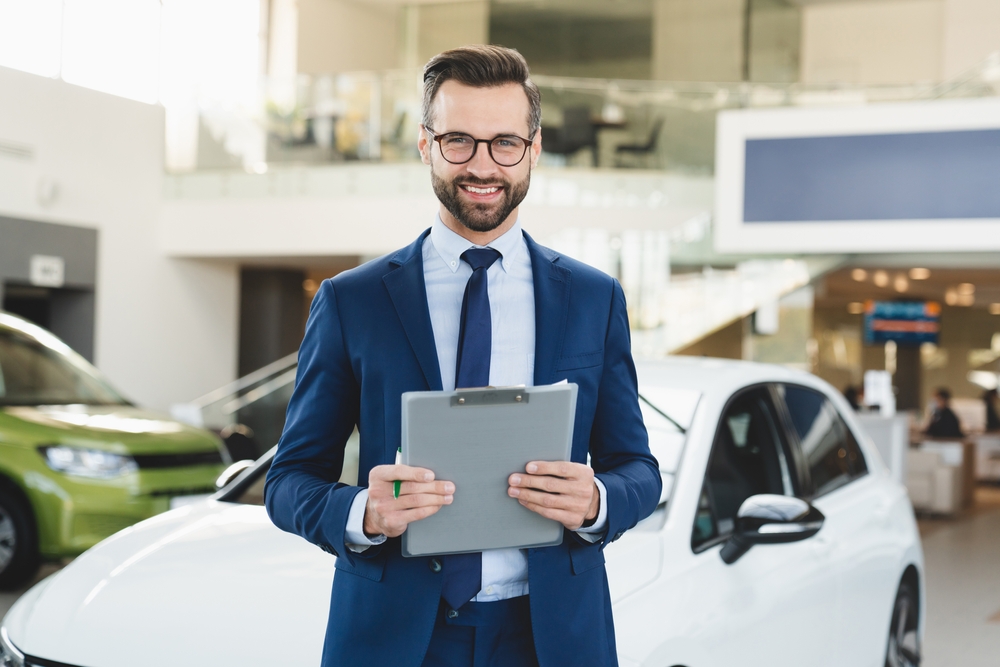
(232, 472)
(770, 519)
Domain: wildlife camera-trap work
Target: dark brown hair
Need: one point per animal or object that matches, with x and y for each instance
(481, 66)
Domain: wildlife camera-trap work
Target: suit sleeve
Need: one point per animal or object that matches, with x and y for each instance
(619, 444)
(302, 494)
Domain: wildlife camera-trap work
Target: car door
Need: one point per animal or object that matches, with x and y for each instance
(778, 601)
(862, 552)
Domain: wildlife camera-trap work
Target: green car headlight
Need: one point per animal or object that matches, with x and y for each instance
(82, 462)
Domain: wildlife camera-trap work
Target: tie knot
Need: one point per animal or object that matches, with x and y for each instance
(480, 258)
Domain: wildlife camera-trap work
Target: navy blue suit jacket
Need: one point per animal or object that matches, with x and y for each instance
(368, 340)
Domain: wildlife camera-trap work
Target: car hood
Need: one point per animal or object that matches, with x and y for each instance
(120, 428)
(220, 577)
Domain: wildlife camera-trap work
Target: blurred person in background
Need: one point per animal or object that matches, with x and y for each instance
(854, 397)
(944, 422)
(992, 417)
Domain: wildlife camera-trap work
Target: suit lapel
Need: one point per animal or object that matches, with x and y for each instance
(552, 283)
(405, 284)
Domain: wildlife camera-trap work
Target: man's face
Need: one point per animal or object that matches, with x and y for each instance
(479, 194)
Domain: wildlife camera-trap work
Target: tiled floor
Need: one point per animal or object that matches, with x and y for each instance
(963, 586)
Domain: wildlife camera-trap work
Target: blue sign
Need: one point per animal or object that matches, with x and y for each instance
(905, 322)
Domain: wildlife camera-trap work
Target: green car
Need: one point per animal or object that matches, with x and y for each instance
(77, 461)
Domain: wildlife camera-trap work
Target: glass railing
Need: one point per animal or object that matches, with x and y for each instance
(604, 123)
(250, 412)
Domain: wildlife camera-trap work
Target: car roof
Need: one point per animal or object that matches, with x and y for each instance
(710, 375)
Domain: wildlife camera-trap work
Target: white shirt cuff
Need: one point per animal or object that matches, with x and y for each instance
(356, 539)
(593, 533)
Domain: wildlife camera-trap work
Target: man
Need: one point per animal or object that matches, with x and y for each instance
(473, 301)
(944, 422)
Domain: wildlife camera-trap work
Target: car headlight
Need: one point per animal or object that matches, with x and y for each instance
(10, 655)
(87, 462)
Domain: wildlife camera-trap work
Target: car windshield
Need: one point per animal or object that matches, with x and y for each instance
(667, 414)
(34, 372)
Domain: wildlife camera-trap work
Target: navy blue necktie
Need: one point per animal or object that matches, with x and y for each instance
(463, 573)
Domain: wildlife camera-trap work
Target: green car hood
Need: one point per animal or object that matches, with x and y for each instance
(120, 429)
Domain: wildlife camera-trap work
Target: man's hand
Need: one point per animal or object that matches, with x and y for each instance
(558, 490)
(419, 497)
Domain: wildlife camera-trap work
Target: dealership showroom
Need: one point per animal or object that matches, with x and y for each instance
(296, 368)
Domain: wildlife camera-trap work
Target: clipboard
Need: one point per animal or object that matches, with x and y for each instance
(477, 438)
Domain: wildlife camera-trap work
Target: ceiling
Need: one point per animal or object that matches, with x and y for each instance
(948, 286)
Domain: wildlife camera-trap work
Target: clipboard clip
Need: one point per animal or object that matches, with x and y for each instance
(490, 396)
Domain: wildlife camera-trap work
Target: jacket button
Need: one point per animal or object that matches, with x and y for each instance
(452, 613)
(435, 566)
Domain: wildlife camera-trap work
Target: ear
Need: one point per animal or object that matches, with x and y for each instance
(424, 145)
(536, 148)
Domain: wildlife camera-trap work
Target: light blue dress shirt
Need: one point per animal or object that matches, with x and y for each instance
(512, 362)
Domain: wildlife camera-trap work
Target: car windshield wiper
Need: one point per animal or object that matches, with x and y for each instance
(663, 414)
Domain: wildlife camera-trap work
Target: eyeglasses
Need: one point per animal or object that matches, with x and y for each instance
(506, 150)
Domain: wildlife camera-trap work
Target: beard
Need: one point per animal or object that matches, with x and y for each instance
(480, 217)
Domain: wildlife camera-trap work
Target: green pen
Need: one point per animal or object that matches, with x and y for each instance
(397, 483)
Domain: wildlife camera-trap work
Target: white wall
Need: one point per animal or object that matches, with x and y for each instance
(166, 328)
(971, 33)
(344, 36)
(308, 212)
(884, 42)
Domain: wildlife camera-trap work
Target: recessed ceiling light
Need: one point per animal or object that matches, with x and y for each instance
(920, 274)
(951, 297)
(856, 307)
(966, 289)
(995, 308)
(860, 275)
(881, 278)
(966, 299)
(901, 283)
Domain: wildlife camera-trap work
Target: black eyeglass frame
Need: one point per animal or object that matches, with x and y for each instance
(475, 145)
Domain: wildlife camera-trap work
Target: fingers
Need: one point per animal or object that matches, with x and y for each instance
(571, 520)
(415, 500)
(570, 503)
(564, 469)
(544, 483)
(439, 488)
(395, 524)
(390, 473)
(385, 506)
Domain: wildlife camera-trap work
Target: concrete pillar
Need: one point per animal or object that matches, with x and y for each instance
(272, 316)
(871, 43)
(448, 25)
(793, 343)
(337, 36)
(698, 40)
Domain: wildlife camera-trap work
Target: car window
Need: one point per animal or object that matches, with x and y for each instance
(248, 487)
(666, 434)
(33, 374)
(748, 458)
(831, 454)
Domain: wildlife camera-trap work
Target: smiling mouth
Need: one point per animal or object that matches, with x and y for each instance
(478, 190)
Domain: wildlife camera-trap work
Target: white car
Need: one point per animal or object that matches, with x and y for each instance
(780, 540)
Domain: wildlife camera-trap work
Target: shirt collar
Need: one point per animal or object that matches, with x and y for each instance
(450, 245)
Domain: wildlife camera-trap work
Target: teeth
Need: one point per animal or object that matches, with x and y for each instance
(481, 191)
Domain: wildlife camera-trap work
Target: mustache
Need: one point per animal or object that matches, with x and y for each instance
(479, 182)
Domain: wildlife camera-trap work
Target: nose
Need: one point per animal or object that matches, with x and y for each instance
(482, 165)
